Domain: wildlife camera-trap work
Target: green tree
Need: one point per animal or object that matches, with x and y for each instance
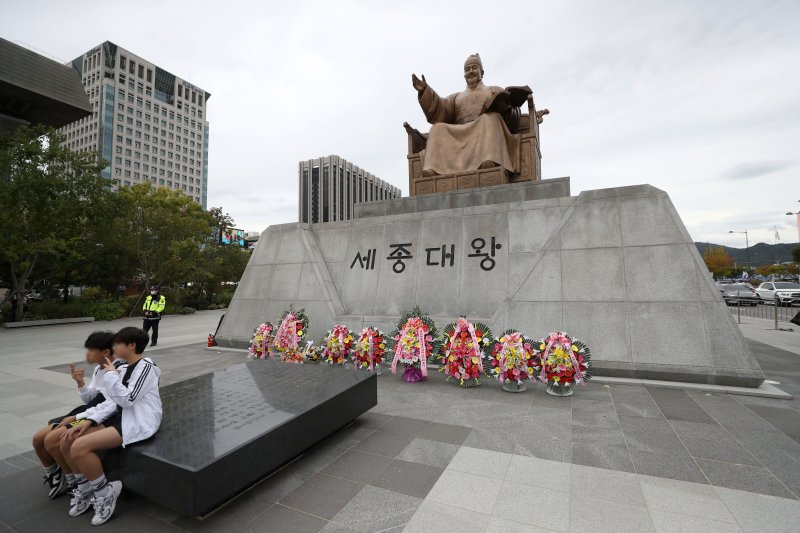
(47, 194)
(164, 229)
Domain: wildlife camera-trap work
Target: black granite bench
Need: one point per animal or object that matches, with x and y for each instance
(224, 431)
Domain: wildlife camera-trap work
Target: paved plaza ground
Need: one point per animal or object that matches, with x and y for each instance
(432, 457)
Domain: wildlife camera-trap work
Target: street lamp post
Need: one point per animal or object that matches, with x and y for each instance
(747, 245)
(798, 221)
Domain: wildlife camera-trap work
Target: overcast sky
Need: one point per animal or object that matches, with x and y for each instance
(700, 99)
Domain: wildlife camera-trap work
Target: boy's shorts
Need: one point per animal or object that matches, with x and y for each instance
(114, 421)
(97, 400)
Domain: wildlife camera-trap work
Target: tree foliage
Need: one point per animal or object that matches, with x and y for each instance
(796, 254)
(46, 197)
(61, 222)
(718, 261)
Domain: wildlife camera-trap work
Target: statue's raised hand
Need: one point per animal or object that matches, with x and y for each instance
(419, 84)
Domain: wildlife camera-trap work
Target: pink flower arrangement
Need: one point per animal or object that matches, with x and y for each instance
(290, 332)
(338, 345)
(262, 340)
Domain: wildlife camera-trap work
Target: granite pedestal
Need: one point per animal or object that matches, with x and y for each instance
(614, 267)
(223, 431)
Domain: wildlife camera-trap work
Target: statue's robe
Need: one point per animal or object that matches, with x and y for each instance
(464, 134)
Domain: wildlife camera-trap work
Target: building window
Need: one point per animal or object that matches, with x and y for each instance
(141, 71)
(122, 60)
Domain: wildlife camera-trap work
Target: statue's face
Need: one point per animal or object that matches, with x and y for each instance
(473, 73)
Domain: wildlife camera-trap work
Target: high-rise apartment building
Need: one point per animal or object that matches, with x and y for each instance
(149, 124)
(329, 186)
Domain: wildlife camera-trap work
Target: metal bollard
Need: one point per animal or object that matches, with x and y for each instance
(739, 306)
(775, 302)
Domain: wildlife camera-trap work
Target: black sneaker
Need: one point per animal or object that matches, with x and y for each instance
(56, 482)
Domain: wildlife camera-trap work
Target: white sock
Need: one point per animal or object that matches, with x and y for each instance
(71, 480)
(100, 486)
(83, 484)
(50, 469)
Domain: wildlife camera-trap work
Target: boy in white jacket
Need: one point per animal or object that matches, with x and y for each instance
(57, 474)
(131, 413)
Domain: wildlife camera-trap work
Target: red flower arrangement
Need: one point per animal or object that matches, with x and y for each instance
(369, 349)
(561, 361)
(338, 345)
(413, 343)
(461, 351)
(511, 360)
(294, 325)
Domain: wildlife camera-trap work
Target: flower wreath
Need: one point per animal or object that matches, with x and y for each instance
(338, 345)
(287, 339)
(561, 361)
(511, 358)
(413, 342)
(261, 341)
(369, 349)
(461, 350)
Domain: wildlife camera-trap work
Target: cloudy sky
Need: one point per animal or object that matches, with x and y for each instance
(697, 98)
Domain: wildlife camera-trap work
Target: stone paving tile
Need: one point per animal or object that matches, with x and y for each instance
(533, 443)
(370, 420)
(785, 419)
(611, 457)
(435, 517)
(401, 425)
(282, 483)
(647, 441)
(428, 452)
(485, 463)
(553, 475)
(719, 449)
(645, 407)
(322, 495)
(595, 515)
(231, 517)
(598, 436)
(743, 477)
(672, 466)
(693, 499)
(458, 489)
(688, 415)
(280, 518)
(376, 509)
(448, 433)
(667, 522)
(320, 456)
(514, 498)
(409, 478)
(611, 485)
(645, 423)
(501, 525)
(382, 443)
(757, 513)
(357, 466)
(498, 434)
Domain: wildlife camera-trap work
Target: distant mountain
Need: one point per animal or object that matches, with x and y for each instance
(760, 254)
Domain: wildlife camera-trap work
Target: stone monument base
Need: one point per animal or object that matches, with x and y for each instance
(221, 432)
(467, 180)
(614, 267)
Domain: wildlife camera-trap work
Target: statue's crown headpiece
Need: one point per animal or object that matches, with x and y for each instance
(474, 58)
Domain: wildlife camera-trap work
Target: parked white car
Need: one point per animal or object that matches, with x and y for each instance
(780, 292)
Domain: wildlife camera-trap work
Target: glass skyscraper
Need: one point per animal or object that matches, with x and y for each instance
(147, 124)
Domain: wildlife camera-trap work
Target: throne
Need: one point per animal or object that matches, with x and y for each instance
(529, 162)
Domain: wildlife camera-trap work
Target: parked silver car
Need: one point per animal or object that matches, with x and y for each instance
(739, 294)
(779, 292)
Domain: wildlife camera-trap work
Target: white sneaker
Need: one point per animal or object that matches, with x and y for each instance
(58, 484)
(80, 502)
(104, 507)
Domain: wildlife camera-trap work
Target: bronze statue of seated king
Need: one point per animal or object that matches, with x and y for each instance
(478, 137)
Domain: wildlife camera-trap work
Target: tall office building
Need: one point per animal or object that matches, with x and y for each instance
(329, 186)
(149, 124)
